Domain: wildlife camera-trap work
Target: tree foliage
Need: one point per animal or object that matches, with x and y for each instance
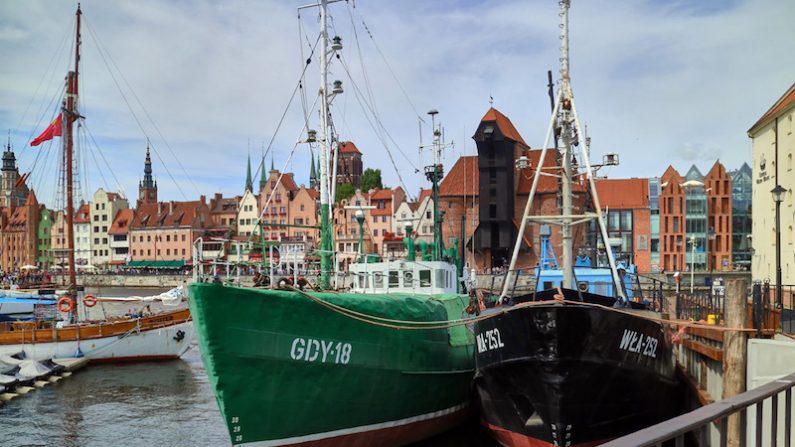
(344, 191)
(371, 179)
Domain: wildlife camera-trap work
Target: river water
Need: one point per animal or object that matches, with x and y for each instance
(167, 403)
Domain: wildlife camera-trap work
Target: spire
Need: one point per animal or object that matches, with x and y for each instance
(272, 168)
(263, 178)
(148, 183)
(312, 172)
(249, 182)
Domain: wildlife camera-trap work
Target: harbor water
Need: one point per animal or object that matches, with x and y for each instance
(167, 403)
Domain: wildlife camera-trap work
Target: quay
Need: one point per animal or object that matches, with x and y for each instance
(740, 370)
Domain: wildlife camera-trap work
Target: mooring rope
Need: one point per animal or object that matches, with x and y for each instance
(447, 324)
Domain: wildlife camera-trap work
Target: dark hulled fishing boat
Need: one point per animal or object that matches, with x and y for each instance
(560, 374)
(566, 366)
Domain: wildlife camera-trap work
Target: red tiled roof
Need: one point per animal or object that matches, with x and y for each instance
(505, 125)
(313, 193)
(121, 223)
(382, 194)
(785, 101)
(112, 196)
(625, 193)
(31, 198)
(171, 214)
(287, 180)
(347, 147)
(82, 215)
(463, 173)
(423, 194)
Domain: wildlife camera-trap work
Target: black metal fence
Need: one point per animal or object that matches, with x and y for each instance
(782, 307)
(696, 424)
(701, 305)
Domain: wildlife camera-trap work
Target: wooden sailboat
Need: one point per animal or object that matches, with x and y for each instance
(159, 336)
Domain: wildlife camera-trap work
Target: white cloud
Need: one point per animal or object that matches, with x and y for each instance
(214, 75)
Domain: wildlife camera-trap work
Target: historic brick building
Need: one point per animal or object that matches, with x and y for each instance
(13, 188)
(165, 231)
(491, 189)
(349, 164)
(18, 234)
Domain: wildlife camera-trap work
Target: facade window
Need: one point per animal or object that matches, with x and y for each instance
(375, 219)
(148, 238)
(104, 229)
(96, 242)
(183, 238)
(383, 219)
(104, 240)
(168, 238)
(96, 229)
(104, 217)
(302, 207)
(168, 252)
(183, 252)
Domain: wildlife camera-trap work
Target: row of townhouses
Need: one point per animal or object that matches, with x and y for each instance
(669, 223)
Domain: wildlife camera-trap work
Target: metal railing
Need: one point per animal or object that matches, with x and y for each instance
(697, 423)
(784, 311)
(700, 305)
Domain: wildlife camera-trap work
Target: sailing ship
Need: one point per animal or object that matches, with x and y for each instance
(380, 364)
(566, 366)
(162, 335)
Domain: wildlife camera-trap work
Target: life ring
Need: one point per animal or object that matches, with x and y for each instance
(408, 277)
(90, 301)
(65, 304)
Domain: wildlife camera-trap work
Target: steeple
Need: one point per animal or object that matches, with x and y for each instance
(272, 168)
(148, 182)
(312, 172)
(147, 188)
(249, 182)
(263, 178)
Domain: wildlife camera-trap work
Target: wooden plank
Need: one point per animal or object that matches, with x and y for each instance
(708, 351)
(706, 332)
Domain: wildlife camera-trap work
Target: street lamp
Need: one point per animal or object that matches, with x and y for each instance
(360, 218)
(711, 252)
(778, 197)
(692, 263)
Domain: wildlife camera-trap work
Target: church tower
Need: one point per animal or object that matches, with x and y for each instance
(147, 188)
(13, 190)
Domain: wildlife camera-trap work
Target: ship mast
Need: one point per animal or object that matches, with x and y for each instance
(565, 118)
(70, 115)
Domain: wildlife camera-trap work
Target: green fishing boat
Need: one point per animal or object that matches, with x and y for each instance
(288, 370)
(385, 360)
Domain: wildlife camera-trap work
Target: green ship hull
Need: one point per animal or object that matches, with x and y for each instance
(287, 370)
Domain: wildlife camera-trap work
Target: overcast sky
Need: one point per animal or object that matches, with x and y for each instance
(659, 82)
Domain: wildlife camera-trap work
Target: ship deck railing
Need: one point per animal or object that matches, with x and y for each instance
(764, 415)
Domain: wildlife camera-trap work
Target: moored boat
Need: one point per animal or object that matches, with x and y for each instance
(387, 362)
(164, 335)
(577, 362)
(288, 370)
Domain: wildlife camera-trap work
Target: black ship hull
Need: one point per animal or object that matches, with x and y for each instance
(573, 375)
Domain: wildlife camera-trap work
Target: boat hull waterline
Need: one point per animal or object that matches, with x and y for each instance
(289, 371)
(573, 375)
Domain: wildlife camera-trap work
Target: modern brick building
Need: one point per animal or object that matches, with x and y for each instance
(625, 203)
(696, 220)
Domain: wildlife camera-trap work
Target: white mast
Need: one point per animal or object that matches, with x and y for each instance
(564, 113)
